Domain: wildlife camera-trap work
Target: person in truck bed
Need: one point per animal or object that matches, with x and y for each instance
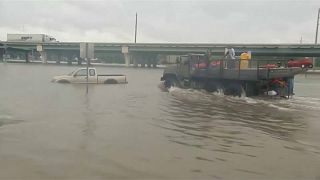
(230, 56)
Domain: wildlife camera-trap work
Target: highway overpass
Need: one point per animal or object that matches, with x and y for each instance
(140, 50)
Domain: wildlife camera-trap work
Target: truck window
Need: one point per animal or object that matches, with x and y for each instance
(92, 72)
(82, 72)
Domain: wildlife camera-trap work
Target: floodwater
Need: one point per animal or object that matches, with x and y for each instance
(138, 131)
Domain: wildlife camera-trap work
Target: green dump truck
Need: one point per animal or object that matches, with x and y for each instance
(260, 78)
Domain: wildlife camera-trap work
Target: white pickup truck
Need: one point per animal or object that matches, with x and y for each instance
(80, 76)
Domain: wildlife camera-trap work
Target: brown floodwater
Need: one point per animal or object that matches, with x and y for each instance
(139, 131)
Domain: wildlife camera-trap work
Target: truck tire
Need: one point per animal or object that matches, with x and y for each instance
(110, 81)
(63, 81)
(211, 86)
(171, 82)
(233, 90)
(310, 66)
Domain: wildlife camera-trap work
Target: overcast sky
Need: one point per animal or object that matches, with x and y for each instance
(255, 21)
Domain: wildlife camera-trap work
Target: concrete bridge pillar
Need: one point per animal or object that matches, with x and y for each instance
(149, 61)
(135, 62)
(1, 54)
(127, 59)
(154, 64)
(135, 59)
(69, 60)
(79, 60)
(27, 57)
(43, 57)
(143, 60)
(58, 59)
(125, 52)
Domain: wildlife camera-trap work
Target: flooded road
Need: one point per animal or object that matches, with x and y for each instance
(138, 131)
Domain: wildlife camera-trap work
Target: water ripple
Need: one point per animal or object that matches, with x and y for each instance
(216, 122)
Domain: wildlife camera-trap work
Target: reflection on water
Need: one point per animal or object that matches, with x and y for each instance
(215, 122)
(89, 125)
(140, 131)
(7, 119)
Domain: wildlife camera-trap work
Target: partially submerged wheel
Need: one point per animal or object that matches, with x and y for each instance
(310, 66)
(171, 82)
(63, 81)
(212, 86)
(110, 81)
(233, 90)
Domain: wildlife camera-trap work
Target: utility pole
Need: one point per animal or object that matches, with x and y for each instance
(136, 26)
(316, 40)
(87, 57)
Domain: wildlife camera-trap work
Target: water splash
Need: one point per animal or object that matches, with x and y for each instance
(7, 119)
(202, 96)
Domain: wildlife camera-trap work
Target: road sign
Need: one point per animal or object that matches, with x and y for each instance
(87, 50)
(125, 49)
(83, 53)
(90, 52)
(39, 48)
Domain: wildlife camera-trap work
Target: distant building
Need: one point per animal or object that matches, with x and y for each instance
(30, 38)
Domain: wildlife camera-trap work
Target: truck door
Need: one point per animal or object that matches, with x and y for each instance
(184, 67)
(92, 76)
(80, 76)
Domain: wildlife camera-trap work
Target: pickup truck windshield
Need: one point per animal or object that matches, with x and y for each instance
(82, 72)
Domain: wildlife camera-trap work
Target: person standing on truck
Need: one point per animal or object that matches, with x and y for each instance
(208, 58)
(244, 60)
(230, 55)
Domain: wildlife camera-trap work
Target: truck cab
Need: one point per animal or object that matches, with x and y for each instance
(80, 75)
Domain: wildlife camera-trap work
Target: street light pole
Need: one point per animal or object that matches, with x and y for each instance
(135, 33)
(317, 28)
(316, 40)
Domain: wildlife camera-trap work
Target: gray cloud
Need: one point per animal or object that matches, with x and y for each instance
(163, 21)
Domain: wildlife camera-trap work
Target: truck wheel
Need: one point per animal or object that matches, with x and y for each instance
(311, 66)
(233, 90)
(171, 82)
(211, 86)
(63, 81)
(110, 81)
